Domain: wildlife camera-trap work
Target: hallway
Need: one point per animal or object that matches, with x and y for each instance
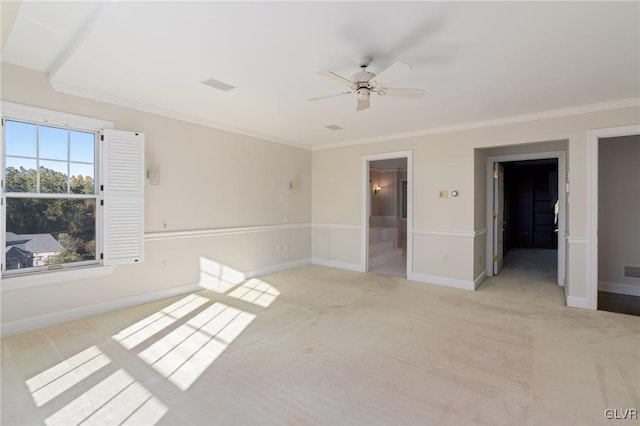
(530, 271)
(396, 266)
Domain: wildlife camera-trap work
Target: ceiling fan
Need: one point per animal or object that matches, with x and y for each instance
(364, 82)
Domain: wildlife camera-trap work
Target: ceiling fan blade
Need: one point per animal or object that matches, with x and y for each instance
(336, 77)
(402, 93)
(391, 74)
(317, 98)
(363, 104)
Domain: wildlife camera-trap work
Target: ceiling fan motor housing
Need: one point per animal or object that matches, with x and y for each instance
(362, 77)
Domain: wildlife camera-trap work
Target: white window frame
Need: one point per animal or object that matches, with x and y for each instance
(39, 195)
(16, 112)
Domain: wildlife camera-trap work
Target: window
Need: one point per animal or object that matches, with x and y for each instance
(51, 196)
(72, 192)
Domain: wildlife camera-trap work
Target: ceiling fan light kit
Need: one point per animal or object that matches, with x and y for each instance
(363, 93)
(364, 82)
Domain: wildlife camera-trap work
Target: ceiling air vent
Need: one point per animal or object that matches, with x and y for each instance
(218, 85)
(333, 127)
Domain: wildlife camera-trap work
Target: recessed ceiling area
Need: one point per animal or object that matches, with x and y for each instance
(477, 61)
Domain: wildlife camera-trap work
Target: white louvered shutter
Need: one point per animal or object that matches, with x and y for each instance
(123, 196)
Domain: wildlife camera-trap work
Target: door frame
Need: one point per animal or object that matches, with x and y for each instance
(366, 205)
(562, 197)
(497, 263)
(593, 139)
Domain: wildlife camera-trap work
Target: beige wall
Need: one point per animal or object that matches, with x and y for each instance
(210, 179)
(214, 179)
(618, 212)
(445, 248)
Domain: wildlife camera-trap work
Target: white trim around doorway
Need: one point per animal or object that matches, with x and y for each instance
(593, 138)
(366, 202)
(562, 196)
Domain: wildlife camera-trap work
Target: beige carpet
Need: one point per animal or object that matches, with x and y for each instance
(314, 345)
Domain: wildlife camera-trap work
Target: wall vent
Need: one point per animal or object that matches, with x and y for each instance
(218, 85)
(632, 272)
(333, 127)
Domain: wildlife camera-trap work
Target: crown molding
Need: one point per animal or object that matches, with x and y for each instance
(556, 113)
(139, 106)
(564, 112)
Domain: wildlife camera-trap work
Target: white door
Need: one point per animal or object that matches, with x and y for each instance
(498, 217)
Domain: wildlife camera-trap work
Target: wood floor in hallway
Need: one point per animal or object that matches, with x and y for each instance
(315, 345)
(621, 303)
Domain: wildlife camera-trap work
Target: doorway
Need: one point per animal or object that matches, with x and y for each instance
(619, 225)
(527, 194)
(526, 213)
(387, 222)
(594, 138)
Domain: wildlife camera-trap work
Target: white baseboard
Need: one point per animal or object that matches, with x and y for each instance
(276, 268)
(338, 265)
(578, 302)
(444, 281)
(479, 279)
(620, 288)
(23, 325)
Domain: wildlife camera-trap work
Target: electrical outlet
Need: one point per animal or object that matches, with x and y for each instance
(165, 224)
(443, 193)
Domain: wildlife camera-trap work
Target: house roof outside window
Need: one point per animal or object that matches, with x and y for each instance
(34, 243)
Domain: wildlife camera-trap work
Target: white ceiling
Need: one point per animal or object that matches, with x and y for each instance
(477, 60)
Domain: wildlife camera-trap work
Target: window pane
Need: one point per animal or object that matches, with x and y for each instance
(21, 175)
(53, 177)
(53, 143)
(20, 139)
(82, 146)
(49, 231)
(81, 181)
